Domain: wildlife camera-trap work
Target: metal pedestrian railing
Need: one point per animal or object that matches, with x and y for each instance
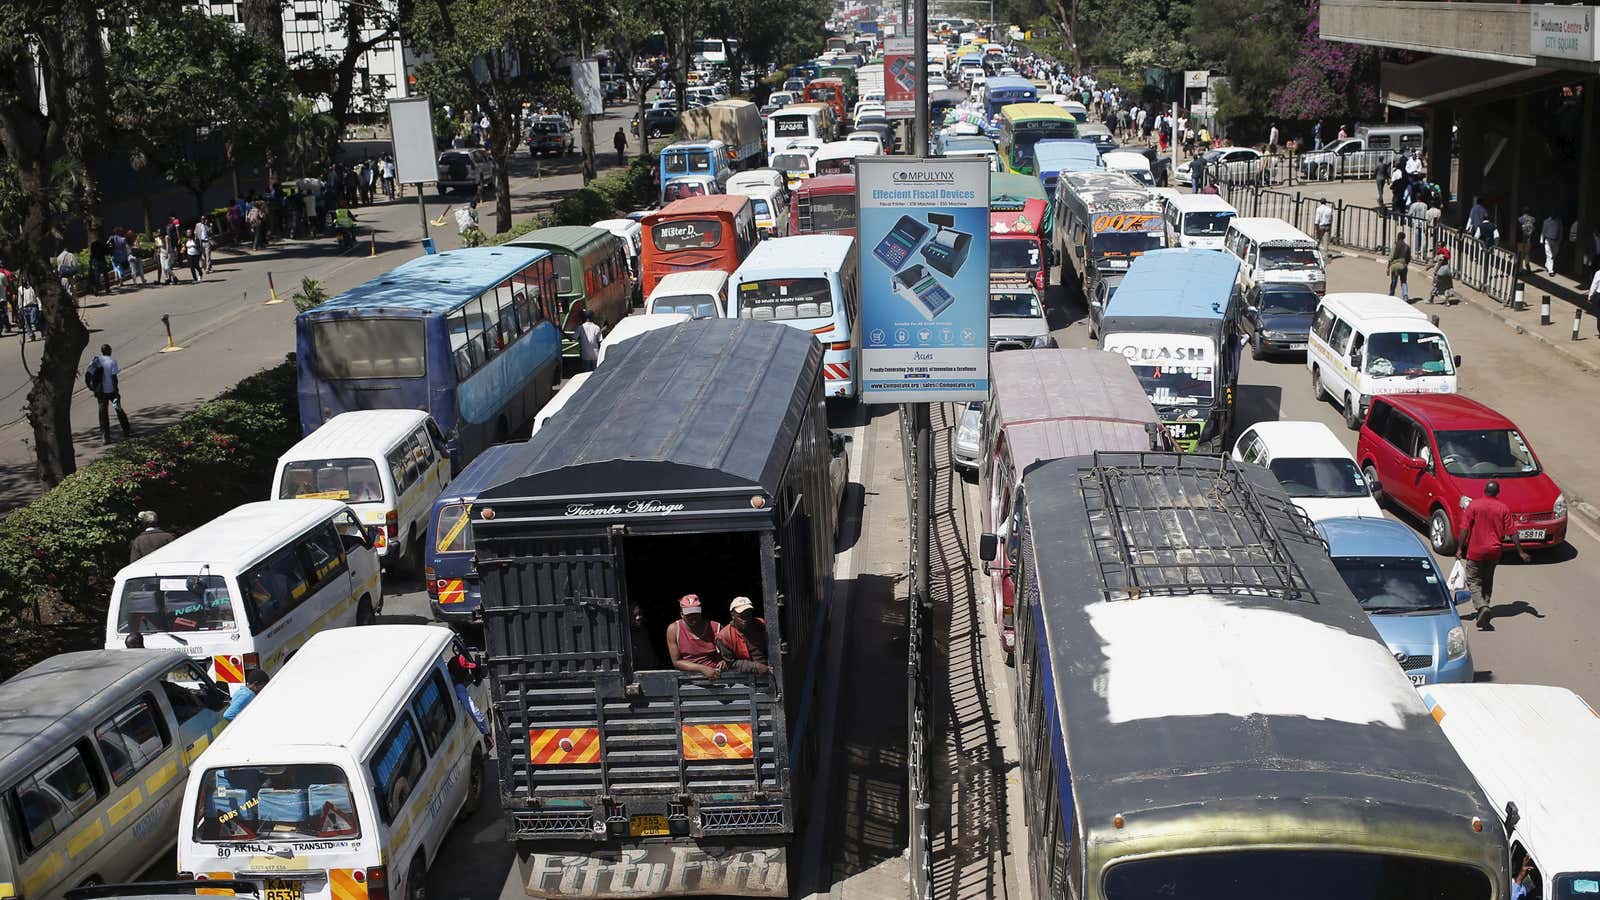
(916, 444)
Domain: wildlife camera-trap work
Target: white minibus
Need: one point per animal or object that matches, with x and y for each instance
(796, 121)
(635, 325)
(248, 588)
(94, 749)
(1197, 220)
(1273, 250)
(810, 282)
(342, 779)
(559, 401)
(698, 295)
(388, 464)
(1362, 345)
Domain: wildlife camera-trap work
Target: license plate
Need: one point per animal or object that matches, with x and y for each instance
(643, 826)
(1297, 346)
(1418, 679)
(1530, 534)
(283, 889)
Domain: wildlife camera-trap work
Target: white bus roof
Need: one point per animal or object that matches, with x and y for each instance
(1534, 746)
(622, 228)
(786, 255)
(240, 536)
(635, 325)
(755, 178)
(357, 434)
(1198, 202)
(847, 150)
(707, 281)
(1125, 159)
(337, 691)
(1268, 230)
(567, 392)
(1368, 307)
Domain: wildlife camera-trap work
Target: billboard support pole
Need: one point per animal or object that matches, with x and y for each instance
(919, 34)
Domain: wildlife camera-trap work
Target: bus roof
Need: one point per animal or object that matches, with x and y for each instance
(241, 535)
(844, 183)
(704, 407)
(1000, 82)
(787, 255)
(338, 691)
(732, 204)
(435, 283)
(578, 239)
(1243, 686)
(1269, 230)
(1017, 111)
(1010, 190)
(58, 699)
(846, 150)
(1058, 403)
(359, 433)
(1181, 283)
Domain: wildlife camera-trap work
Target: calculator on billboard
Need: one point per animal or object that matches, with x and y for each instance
(896, 246)
(919, 288)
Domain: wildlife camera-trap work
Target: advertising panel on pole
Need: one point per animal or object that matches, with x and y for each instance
(587, 88)
(900, 73)
(411, 126)
(922, 229)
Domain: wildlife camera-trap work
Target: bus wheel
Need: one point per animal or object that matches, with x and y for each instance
(364, 613)
(474, 799)
(415, 554)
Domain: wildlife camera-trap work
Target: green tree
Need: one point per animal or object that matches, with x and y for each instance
(365, 25)
(180, 102)
(1254, 42)
(494, 55)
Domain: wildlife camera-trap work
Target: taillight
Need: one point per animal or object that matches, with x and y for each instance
(433, 586)
(377, 883)
(252, 661)
(391, 524)
(839, 345)
(1038, 280)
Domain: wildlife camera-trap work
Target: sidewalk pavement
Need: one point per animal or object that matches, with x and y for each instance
(226, 326)
(1536, 376)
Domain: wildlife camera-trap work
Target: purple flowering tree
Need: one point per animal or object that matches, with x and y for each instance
(1327, 80)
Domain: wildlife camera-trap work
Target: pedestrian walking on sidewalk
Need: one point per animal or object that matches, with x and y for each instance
(117, 246)
(1551, 235)
(164, 260)
(202, 237)
(1322, 224)
(30, 312)
(66, 265)
(1489, 525)
(192, 251)
(135, 262)
(1399, 264)
(102, 378)
(388, 176)
(1418, 211)
(256, 221)
(1526, 224)
(620, 141)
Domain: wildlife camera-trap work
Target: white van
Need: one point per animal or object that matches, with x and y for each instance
(559, 401)
(631, 233)
(96, 745)
(1134, 165)
(810, 282)
(698, 295)
(1199, 221)
(1531, 748)
(1362, 345)
(248, 588)
(388, 464)
(798, 121)
(768, 199)
(635, 325)
(344, 776)
(1274, 250)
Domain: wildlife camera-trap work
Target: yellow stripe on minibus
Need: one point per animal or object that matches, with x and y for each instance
(197, 748)
(160, 777)
(41, 876)
(86, 838)
(123, 808)
(7, 890)
(456, 529)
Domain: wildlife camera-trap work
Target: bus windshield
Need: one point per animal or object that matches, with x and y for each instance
(1122, 243)
(1013, 253)
(1026, 134)
(354, 480)
(1407, 353)
(686, 162)
(368, 348)
(786, 298)
(1303, 874)
(1290, 257)
(1210, 223)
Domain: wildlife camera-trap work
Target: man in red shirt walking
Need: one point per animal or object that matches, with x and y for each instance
(1489, 524)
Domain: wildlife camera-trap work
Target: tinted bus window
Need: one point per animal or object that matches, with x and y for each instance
(786, 298)
(686, 234)
(368, 348)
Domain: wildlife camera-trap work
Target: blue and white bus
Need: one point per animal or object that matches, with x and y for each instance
(468, 336)
(1004, 90)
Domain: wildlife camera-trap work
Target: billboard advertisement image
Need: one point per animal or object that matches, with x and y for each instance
(923, 236)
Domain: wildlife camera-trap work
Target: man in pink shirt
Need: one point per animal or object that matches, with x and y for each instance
(1489, 524)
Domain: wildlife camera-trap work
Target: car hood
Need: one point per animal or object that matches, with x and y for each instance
(1319, 508)
(1293, 322)
(1418, 633)
(1536, 494)
(1002, 328)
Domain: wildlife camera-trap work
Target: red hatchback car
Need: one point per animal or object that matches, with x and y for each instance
(1431, 454)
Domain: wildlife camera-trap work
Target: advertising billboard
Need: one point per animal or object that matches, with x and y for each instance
(923, 237)
(900, 70)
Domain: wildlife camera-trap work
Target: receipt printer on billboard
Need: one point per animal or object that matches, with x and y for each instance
(918, 286)
(947, 250)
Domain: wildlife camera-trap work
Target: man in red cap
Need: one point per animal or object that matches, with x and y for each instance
(463, 673)
(692, 640)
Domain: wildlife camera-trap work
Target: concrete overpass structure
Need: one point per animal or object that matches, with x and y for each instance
(1516, 84)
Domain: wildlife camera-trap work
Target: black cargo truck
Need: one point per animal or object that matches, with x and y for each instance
(695, 460)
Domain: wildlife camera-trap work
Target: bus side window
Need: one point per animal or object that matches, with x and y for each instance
(133, 738)
(57, 794)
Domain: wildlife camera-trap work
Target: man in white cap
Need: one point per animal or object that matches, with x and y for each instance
(743, 641)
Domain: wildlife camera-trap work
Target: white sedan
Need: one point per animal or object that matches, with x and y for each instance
(1311, 463)
(1234, 165)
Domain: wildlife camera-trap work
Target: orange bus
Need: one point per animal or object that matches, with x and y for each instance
(715, 231)
(829, 91)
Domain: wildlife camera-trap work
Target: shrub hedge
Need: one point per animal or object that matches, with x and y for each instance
(605, 197)
(60, 553)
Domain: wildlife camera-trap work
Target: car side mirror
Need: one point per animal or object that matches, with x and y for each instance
(369, 536)
(1417, 462)
(1513, 816)
(1458, 360)
(988, 544)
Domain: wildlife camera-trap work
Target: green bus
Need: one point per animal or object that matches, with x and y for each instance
(1024, 124)
(591, 273)
(847, 74)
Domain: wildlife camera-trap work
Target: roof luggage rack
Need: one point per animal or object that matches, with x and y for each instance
(1169, 525)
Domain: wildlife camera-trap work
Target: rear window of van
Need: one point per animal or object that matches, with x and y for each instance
(353, 480)
(296, 802)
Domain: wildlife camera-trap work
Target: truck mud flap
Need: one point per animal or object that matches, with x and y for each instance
(657, 869)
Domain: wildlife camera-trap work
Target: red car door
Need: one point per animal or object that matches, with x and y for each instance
(1408, 490)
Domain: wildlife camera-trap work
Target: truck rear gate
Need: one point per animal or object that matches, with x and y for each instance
(695, 461)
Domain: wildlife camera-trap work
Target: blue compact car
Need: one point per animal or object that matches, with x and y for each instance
(1394, 576)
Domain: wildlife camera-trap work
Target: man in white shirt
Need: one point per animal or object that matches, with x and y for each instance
(102, 379)
(1414, 165)
(589, 342)
(1322, 223)
(1551, 235)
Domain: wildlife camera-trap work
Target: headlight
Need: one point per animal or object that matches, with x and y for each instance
(1274, 335)
(1465, 501)
(1043, 342)
(1455, 643)
(1561, 505)
(967, 434)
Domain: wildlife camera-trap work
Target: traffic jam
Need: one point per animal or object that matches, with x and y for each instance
(616, 463)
